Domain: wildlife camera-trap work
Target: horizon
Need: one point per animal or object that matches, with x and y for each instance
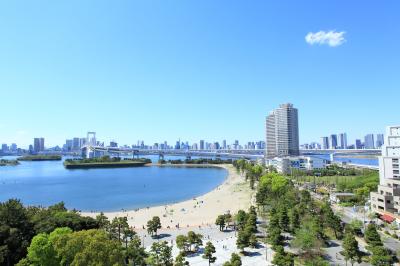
(154, 71)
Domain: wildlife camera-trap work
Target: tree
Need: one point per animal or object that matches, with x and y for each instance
(220, 222)
(182, 243)
(102, 221)
(153, 225)
(119, 225)
(243, 240)
(160, 254)
(307, 239)
(331, 220)
(41, 251)
(252, 240)
(380, 256)
(350, 248)
(209, 250)
(16, 232)
(241, 218)
(282, 258)
(194, 241)
(135, 252)
(283, 219)
(180, 260)
(251, 223)
(294, 220)
(274, 237)
(234, 261)
(371, 236)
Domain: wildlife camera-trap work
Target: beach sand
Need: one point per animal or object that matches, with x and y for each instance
(232, 195)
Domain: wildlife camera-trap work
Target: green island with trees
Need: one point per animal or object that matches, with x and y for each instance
(104, 162)
(40, 157)
(4, 162)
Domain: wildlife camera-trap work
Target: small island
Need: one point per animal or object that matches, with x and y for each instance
(4, 162)
(40, 158)
(104, 162)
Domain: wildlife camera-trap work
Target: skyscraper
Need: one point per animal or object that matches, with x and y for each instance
(282, 132)
(379, 140)
(201, 144)
(358, 145)
(325, 143)
(343, 141)
(38, 144)
(369, 142)
(333, 141)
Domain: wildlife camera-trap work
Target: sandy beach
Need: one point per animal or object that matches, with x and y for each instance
(232, 195)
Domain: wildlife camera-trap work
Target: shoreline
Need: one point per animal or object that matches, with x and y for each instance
(232, 195)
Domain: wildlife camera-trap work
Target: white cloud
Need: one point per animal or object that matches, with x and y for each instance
(331, 38)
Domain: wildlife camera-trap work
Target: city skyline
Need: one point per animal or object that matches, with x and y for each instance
(211, 70)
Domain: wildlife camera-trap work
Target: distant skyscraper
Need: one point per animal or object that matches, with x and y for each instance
(358, 145)
(325, 143)
(69, 144)
(343, 141)
(76, 144)
(38, 144)
(369, 142)
(113, 144)
(13, 147)
(4, 148)
(379, 140)
(282, 132)
(333, 141)
(201, 144)
(224, 144)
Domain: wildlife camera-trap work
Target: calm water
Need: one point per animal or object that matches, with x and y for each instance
(46, 183)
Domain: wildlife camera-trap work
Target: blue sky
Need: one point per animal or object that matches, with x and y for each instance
(163, 70)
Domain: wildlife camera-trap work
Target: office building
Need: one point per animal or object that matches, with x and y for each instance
(224, 144)
(333, 141)
(76, 144)
(201, 144)
(282, 132)
(114, 144)
(358, 144)
(387, 198)
(343, 141)
(379, 141)
(369, 142)
(325, 143)
(4, 148)
(13, 147)
(38, 144)
(68, 144)
(304, 163)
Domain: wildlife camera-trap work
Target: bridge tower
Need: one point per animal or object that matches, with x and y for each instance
(161, 156)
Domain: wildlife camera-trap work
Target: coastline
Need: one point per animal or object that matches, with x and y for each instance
(232, 195)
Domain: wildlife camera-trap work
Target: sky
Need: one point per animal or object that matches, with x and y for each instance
(163, 70)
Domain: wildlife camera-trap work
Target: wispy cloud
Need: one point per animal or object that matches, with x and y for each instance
(331, 38)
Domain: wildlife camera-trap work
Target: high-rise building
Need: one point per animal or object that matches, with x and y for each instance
(387, 199)
(333, 141)
(325, 143)
(358, 145)
(13, 147)
(4, 148)
(282, 132)
(369, 142)
(343, 141)
(76, 144)
(224, 144)
(379, 140)
(113, 144)
(68, 144)
(38, 144)
(201, 144)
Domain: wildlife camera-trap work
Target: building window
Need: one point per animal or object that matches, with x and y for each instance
(388, 201)
(395, 172)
